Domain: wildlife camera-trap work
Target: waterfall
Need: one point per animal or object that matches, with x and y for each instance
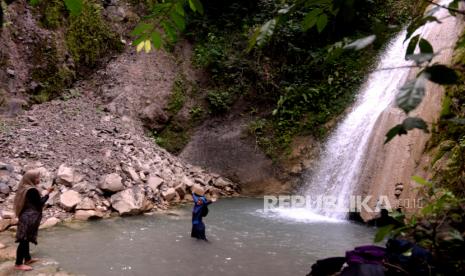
(344, 152)
(346, 149)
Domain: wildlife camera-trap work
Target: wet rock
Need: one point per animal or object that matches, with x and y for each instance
(169, 194)
(111, 183)
(49, 223)
(129, 201)
(69, 200)
(87, 214)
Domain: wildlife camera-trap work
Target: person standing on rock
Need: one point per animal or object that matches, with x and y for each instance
(200, 210)
(28, 206)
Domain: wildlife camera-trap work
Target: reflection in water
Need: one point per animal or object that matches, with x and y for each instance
(244, 241)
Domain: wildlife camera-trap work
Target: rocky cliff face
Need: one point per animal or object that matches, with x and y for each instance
(389, 168)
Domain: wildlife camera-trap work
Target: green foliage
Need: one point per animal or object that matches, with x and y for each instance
(178, 96)
(173, 138)
(219, 101)
(163, 24)
(439, 227)
(196, 113)
(88, 38)
(52, 13)
(51, 77)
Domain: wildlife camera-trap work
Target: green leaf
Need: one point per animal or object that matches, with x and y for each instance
(170, 31)
(321, 22)
(441, 74)
(425, 47)
(417, 23)
(196, 6)
(361, 43)
(420, 58)
(262, 34)
(422, 181)
(310, 19)
(180, 9)
(138, 40)
(411, 94)
(74, 6)
(178, 20)
(140, 28)
(454, 5)
(397, 130)
(415, 122)
(156, 40)
(34, 2)
(383, 232)
(412, 45)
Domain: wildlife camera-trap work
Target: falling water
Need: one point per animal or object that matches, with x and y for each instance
(340, 164)
(345, 151)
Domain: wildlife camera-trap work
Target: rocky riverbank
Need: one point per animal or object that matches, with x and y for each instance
(101, 164)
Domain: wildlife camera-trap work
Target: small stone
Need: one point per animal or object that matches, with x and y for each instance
(10, 72)
(132, 174)
(397, 193)
(69, 200)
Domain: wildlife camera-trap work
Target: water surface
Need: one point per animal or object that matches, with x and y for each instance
(244, 240)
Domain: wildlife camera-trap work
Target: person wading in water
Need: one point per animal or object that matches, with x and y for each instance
(28, 206)
(200, 210)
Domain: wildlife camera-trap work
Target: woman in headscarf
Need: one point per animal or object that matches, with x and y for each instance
(28, 206)
(200, 203)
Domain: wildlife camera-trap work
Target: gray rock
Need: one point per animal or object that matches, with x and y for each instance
(221, 183)
(66, 176)
(87, 214)
(86, 204)
(83, 187)
(69, 200)
(153, 182)
(132, 174)
(169, 194)
(4, 189)
(111, 183)
(8, 215)
(50, 222)
(181, 190)
(129, 201)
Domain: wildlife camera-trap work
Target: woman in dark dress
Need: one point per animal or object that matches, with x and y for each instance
(200, 202)
(28, 208)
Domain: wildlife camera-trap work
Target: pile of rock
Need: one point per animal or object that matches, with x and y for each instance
(127, 191)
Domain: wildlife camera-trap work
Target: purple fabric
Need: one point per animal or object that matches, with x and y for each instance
(367, 254)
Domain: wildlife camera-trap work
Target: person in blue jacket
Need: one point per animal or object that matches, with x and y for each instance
(198, 212)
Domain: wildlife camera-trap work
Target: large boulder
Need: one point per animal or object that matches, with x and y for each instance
(111, 183)
(153, 182)
(86, 204)
(69, 200)
(67, 176)
(50, 222)
(169, 194)
(129, 201)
